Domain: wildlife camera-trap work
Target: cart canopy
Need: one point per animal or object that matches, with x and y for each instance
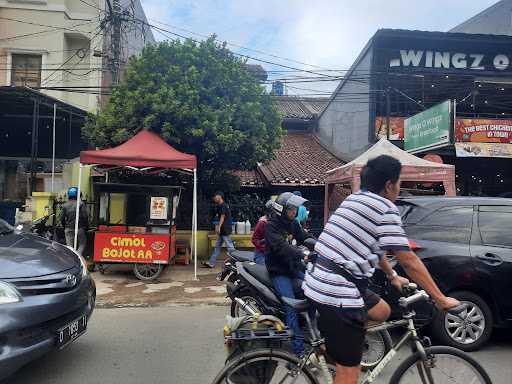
(145, 149)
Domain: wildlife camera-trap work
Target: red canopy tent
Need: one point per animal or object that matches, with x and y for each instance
(146, 151)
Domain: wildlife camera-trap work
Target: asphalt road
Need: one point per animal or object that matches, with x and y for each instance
(181, 345)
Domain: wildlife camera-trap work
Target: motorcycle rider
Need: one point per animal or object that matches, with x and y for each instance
(68, 221)
(352, 244)
(283, 260)
(258, 236)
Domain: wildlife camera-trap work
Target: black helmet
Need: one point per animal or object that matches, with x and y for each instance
(286, 201)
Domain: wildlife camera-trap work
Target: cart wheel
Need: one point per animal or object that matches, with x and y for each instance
(101, 268)
(147, 271)
(91, 267)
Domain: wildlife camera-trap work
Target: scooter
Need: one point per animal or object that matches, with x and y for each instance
(40, 227)
(252, 292)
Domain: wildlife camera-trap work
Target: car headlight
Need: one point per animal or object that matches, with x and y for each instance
(8, 294)
(83, 263)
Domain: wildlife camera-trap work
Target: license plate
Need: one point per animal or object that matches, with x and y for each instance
(71, 331)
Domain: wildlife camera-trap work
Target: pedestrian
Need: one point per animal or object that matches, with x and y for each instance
(222, 229)
(68, 218)
(258, 237)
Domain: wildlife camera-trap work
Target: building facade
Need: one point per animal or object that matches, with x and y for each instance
(401, 73)
(63, 47)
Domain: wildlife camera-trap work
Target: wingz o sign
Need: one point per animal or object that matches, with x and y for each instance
(449, 60)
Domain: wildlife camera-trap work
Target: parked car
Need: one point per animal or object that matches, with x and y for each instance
(46, 297)
(466, 244)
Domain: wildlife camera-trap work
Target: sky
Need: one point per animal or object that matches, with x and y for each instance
(305, 34)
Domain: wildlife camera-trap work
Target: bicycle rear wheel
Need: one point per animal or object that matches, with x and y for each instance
(265, 366)
(444, 365)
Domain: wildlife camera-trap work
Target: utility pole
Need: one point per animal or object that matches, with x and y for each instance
(114, 19)
(388, 111)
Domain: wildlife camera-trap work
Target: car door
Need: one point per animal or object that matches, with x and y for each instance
(492, 254)
(443, 238)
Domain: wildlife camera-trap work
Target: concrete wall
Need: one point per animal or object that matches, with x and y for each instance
(344, 126)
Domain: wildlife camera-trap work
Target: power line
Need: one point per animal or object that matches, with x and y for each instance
(44, 25)
(53, 29)
(241, 46)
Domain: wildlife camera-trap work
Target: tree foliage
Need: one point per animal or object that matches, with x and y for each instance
(201, 98)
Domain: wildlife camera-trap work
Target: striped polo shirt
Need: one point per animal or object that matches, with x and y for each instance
(359, 232)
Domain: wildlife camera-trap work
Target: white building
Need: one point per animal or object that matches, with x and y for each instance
(64, 44)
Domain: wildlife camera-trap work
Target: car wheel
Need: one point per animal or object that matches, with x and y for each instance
(468, 331)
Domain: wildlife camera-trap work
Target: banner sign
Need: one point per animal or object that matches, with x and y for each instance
(430, 59)
(396, 127)
(429, 129)
(483, 150)
(483, 131)
(131, 248)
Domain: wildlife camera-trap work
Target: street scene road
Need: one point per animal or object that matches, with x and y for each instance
(166, 163)
(174, 345)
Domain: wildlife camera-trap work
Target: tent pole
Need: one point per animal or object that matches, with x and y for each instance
(194, 223)
(53, 146)
(78, 200)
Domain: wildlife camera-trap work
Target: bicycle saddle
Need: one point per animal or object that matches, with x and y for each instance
(298, 305)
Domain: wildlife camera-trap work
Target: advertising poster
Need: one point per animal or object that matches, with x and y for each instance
(159, 208)
(396, 125)
(483, 150)
(483, 131)
(428, 129)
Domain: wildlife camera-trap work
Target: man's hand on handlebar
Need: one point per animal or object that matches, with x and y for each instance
(399, 282)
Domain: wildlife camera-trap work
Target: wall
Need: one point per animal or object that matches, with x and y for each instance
(79, 25)
(343, 126)
(495, 20)
(68, 47)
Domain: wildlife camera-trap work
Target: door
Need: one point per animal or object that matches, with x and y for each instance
(492, 254)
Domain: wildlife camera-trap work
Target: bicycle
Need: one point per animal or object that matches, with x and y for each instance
(425, 365)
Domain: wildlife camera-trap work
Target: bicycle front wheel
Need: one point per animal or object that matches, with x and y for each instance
(444, 365)
(265, 366)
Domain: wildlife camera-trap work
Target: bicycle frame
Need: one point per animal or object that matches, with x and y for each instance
(411, 334)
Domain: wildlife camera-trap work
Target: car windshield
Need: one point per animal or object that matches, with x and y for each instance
(5, 227)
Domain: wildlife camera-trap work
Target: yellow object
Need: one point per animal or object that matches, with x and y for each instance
(42, 204)
(118, 208)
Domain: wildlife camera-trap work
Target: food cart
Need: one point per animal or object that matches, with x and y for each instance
(145, 235)
(149, 242)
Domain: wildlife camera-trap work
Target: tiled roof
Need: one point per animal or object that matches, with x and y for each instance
(250, 178)
(302, 108)
(300, 161)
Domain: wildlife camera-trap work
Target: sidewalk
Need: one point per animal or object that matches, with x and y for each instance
(118, 287)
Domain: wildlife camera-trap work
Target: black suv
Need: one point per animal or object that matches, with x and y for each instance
(466, 244)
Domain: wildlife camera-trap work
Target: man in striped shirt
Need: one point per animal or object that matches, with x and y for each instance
(364, 227)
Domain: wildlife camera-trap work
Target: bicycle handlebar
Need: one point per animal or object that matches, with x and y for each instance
(418, 296)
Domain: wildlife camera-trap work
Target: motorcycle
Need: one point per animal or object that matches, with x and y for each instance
(40, 227)
(251, 292)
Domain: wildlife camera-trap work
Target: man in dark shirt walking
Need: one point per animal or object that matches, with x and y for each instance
(68, 221)
(222, 229)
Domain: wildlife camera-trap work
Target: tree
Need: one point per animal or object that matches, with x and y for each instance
(201, 98)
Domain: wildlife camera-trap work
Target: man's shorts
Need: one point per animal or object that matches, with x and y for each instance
(344, 330)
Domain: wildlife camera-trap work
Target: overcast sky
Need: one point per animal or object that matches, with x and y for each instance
(325, 33)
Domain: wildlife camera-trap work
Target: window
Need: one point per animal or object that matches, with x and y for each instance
(26, 70)
(496, 225)
(451, 224)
